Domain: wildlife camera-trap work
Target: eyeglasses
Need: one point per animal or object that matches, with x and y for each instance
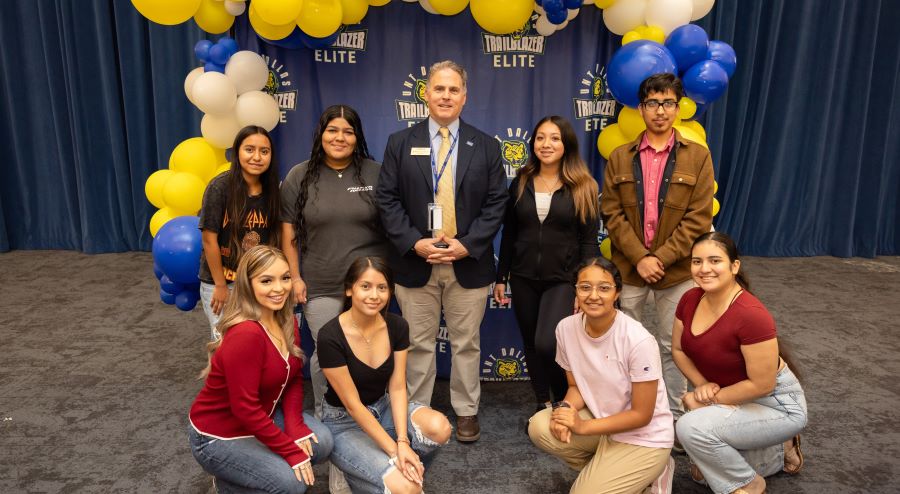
(587, 288)
(653, 104)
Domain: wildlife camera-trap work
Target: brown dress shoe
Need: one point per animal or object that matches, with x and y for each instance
(467, 429)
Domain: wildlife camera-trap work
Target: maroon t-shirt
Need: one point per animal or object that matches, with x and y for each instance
(717, 352)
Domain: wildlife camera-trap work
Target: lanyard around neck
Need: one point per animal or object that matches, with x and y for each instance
(434, 171)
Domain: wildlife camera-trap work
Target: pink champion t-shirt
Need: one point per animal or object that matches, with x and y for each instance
(605, 367)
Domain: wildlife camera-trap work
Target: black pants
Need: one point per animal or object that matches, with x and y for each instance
(539, 306)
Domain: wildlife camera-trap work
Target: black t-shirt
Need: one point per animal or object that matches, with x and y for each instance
(253, 231)
(371, 383)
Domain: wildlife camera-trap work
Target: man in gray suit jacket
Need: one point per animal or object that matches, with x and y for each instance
(443, 161)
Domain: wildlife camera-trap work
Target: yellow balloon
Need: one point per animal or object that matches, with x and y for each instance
(501, 16)
(320, 18)
(631, 123)
(630, 36)
(220, 155)
(449, 7)
(168, 12)
(715, 187)
(153, 188)
(353, 11)
(223, 168)
(606, 248)
(212, 17)
(686, 108)
(266, 30)
(604, 4)
(690, 135)
(184, 192)
(696, 127)
(194, 156)
(378, 3)
(716, 206)
(277, 12)
(653, 33)
(609, 139)
(159, 219)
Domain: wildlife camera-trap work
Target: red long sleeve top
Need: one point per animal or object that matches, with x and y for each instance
(248, 378)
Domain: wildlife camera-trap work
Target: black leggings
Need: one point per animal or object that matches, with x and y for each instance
(539, 306)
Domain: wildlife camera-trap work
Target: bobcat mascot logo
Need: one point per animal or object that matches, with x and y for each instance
(507, 368)
(515, 153)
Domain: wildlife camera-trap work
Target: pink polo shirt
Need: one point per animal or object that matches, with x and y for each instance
(653, 164)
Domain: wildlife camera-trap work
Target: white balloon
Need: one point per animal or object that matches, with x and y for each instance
(540, 10)
(543, 26)
(257, 108)
(220, 130)
(587, 2)
(213, 93)
(623, 16)
(235, 7)
(573, 13)
(669, 14)
(189, 83)
(247, 71)
(701, 8)
(427, 6)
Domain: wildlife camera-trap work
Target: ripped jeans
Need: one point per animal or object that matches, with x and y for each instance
(364, 464)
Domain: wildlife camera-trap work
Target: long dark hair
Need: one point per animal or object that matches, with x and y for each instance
(356, 270)
(573, 171)
(727, 244)
(317, 161)
(236, 202)
(606, 265)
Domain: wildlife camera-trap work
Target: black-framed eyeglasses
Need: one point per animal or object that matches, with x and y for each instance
(653, 104)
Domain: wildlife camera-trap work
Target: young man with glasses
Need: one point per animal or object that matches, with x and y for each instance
(657, 198)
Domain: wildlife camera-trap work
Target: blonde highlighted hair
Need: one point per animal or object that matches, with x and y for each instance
(243, 306)
(573, 171)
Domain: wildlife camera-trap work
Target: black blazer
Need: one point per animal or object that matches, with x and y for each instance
(405, 189)
(548, 251)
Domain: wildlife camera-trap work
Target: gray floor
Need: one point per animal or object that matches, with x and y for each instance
(96, 376)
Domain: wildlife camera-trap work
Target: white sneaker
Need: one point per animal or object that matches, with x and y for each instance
(663, 483)
(337, 484)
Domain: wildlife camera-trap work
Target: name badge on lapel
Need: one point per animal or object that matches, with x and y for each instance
(420, 152)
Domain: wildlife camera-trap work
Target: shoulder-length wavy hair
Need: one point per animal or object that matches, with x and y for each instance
(243, 306)
(317, 162)
(238, 191)
(573, 172)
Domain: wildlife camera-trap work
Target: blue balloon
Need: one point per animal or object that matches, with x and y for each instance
(539, 2)
(723, 53)
(701, 109)
(574, 4)
(633, 63)
(213, 67)
(176, 249)
(169, 286)
(201, 49)
(218, 54)
(167, 298)
(230, 45)
(187, 300)
(688, 44)
(556, 11)
(157, 271)
(705, 81)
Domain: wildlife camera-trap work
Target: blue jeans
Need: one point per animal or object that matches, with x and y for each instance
(364, 464)
(732, 444)
(247, 465)
(206, 293)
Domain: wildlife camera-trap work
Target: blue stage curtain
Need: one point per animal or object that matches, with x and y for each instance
(806, 140)
(92, 105)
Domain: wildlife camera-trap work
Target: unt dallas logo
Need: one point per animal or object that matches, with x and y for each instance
(509, 366)
(595, 104)
(514, 150)
(280, 87)
(412, 108)
(516, 49)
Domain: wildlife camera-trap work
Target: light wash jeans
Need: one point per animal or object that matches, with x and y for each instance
(206, 293)
(246, 465)
(317, 312)
(364, 464)
(732, 444)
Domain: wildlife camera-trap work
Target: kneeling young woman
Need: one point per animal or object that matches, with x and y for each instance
(614, 424)
(747, 408)
(382, 441)
(247, 427)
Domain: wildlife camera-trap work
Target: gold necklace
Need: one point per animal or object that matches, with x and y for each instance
(360, 331)
(338, 171)
(549, 188)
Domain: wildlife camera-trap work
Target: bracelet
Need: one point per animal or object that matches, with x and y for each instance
(403, 440)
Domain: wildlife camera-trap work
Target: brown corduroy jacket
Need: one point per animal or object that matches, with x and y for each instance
(685, 214)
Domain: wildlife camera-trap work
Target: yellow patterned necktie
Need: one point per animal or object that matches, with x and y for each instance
(445, 194)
